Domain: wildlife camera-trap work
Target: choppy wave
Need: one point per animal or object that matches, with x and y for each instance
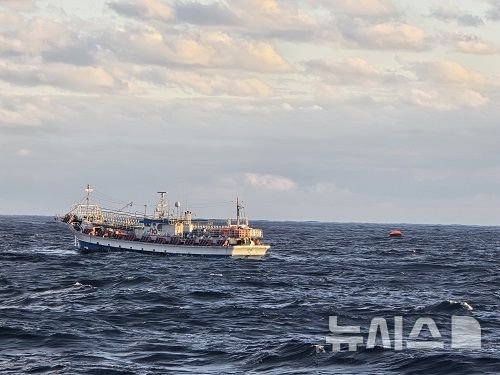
(449, 306)
(66, 312)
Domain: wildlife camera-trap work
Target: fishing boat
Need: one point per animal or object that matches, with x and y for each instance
(168, 232)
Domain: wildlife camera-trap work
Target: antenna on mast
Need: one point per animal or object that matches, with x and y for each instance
(238, 210)
(178, 207)
(88, 190)
(161, 209)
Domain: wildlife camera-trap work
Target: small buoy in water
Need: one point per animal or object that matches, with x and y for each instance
(395, 233)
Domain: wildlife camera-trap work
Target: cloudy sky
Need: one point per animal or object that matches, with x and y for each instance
(341, 110)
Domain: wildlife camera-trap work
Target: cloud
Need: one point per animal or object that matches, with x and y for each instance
(65, 76)
(447, 100)
(19, 5)
(144, 9)
(25, 112)
(213, 84)
(468, 43)
(312, 107)
(476, 47)
(269, 18)
(200, 48)
(362, 8)
(386, 35)
(494, 11)
(11, 117)
(445, 85)
(449, 11)
(353, 70)
(81, 50)
(31, 36)
(23, 152)
(78, 77)
(205, 14)
(451, 73)
(330, 189)
(275, 18)
(269, 181)
(255, 18)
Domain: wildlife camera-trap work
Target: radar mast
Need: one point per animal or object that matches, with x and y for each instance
(161, 210)
(88, 190)
(239, 207)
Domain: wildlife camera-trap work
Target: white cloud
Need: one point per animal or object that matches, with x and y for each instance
(204, 49)
(270, 181)
(314, 107)
(472, 98)
(78, 77)
(476, 47)
(386, 35)
(9, 117)
(208, 84)
(271, 16)
(19, 5)
(31, 36)
(25, 112)
(23, 152)
(65, 76)
(447, 100)
(353, 70)
(330, 189)
(450, 72)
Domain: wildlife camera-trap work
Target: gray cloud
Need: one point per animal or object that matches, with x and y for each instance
(205, 14)
(374, 10)
(494, 12)
(66, 76)
(129, 9)
(81, 51)
(450, 12)
(144, 9)
(352, 71)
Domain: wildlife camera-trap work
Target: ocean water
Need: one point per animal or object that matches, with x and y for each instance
(63, 312)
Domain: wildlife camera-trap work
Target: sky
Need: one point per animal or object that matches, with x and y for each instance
(345, 110)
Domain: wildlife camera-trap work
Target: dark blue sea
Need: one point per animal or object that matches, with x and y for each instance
(63, 312)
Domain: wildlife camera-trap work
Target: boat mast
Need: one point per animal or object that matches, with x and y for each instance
(161, 207)
(88, 190)
(238, 209)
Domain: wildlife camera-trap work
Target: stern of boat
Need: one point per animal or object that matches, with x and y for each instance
(250, 250)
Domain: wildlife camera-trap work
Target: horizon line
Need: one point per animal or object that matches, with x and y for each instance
(310, 221)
